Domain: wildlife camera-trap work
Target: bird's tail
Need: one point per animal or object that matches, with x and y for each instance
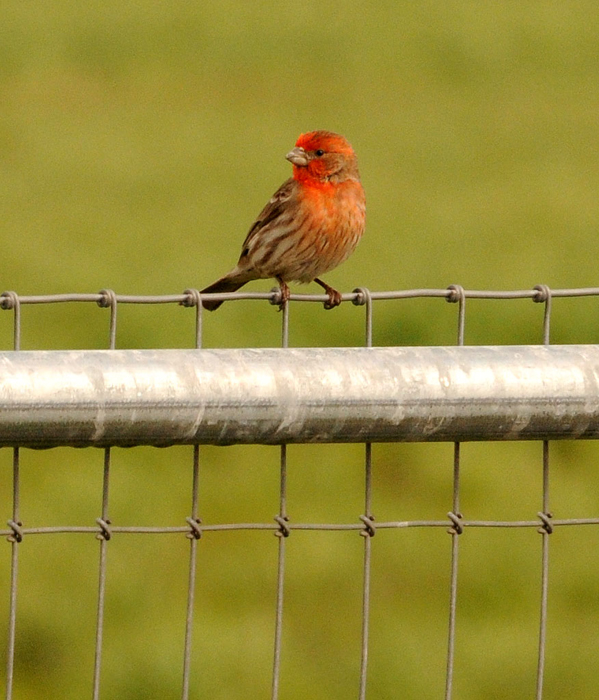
(223, 285)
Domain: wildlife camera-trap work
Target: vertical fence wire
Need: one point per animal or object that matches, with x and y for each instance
(108, 300)
(368, 518)
(194, 536)
(455, 515)
(545, 530)
(11, 300)
(14, 539)
(193, 521)
(544, 296)
(368, 533)
(283, 532)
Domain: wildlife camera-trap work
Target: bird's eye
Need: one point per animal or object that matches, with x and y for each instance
(319, 152)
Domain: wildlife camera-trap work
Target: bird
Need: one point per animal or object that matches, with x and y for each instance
(311, 224)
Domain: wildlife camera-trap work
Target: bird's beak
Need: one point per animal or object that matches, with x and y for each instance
(298, 157)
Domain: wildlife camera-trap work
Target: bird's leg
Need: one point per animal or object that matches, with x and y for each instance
(334, 295)
(285, 292)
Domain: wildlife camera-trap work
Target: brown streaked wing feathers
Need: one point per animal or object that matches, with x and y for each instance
(271, 211)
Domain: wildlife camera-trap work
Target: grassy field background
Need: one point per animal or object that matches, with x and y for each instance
(138, 141)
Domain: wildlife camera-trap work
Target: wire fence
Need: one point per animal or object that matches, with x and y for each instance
(366, 524)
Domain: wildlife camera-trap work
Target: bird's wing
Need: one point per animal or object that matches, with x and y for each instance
(273, 209)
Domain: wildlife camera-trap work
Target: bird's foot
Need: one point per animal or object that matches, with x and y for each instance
(283, 294)
(334, 295)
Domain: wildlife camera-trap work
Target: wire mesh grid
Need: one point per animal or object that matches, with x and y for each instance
(365, 524)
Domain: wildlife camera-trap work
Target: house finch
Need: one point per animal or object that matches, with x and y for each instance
(311, 224)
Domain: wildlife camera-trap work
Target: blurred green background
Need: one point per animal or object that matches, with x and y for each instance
(138, 141)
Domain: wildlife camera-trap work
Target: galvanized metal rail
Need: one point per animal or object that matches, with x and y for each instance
(275, 396)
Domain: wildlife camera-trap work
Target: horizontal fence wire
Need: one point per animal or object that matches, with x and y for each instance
(358, 526)
(9, 299)
(366, 524)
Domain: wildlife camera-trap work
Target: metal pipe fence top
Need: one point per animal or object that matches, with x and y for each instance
(275, 396)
